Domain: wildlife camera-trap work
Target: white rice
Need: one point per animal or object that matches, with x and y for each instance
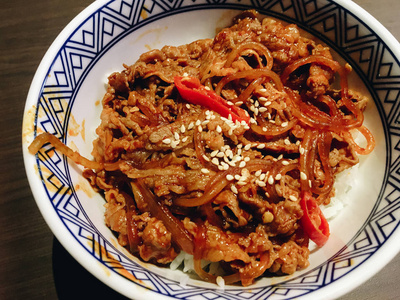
(344, 182)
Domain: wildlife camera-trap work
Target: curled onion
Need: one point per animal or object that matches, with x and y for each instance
(46, 137)
(253, 46)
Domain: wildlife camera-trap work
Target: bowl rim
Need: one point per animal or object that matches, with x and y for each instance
(124, 285)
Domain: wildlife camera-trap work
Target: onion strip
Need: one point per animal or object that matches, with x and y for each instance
(46, 137)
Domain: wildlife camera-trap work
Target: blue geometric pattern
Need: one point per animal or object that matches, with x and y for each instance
(352, 39)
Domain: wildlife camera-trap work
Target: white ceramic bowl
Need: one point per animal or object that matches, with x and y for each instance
(65, 97)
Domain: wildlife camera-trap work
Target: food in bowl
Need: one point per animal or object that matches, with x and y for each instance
(224, 149)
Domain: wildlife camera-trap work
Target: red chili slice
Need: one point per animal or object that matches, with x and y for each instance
(194, 92)
(313, 221)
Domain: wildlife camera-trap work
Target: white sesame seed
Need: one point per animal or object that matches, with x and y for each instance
(285, 162)
(301, 150)
(205, 171)
(262, 109)
(214, 153)
(258, 173)
(261, 183)
(267, 194)
(174, 144)
(212, 117)
(297, 142)
(253, 121)
(205, 122)
(230, 132)
(200, 128)
(242, 164)
(262, 99)
(246, 127)
(286, 141)
(187, 106)
(229, 177)
(246, 159)
(278, 176)
(237, 177)
(256, 111)
(234, 189)
(238, 103)
(241, 183)
(262, 176)
(292, 198)
(265, 129)
(230, 117)
(284, 124)
(221, 168)
(185, 139)
(215, 161)
(221, 282)
(247, 147)
(229, 103)
(198, 122)
(207, 88)
(191, 125)
(183, 128)
(239, 146)
(176, 135)
(220, 154)
(309, 183)
(262, 91)
(206, 157)
(280, 157)
(237, 158)
(261, 146)
(270, 179)
(232, 163)
(219, 129)
(256, 104)
(229, 153)
(303, 176)
(272, 121)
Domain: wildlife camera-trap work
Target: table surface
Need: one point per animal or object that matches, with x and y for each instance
(33, 265)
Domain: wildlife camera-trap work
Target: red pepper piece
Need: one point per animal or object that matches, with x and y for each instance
(313, 221)
(194, 92)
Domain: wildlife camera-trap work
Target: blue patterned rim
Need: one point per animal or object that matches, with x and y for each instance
(338, 27)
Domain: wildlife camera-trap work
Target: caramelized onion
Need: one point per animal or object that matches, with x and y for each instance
(131, 225)
(250, 74)
(46, 137)
(324, 146)
(253, 46)
(368, 136)
(178, 232)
